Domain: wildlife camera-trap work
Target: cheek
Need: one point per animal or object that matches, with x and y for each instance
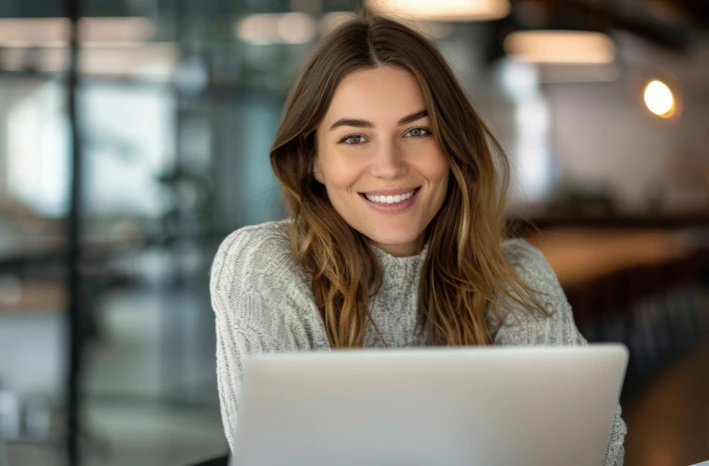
(443, 170)
(439, 176)
(338, 172)
(437, 169)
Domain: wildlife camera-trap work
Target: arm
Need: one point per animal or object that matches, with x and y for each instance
(235, 341)
(558, 329)
(258, 306)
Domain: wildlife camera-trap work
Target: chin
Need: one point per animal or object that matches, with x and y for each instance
(396, 239)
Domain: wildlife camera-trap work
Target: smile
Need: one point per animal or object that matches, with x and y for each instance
(390, 199)
(391, 202)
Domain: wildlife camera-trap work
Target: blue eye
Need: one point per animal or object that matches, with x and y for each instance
(418, 132)
(352, 139)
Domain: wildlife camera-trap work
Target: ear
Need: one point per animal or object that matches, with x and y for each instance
(317, 173)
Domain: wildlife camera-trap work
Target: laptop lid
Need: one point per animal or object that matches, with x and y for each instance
(442, 406)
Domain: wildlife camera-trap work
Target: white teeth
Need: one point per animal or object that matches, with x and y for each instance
(389, 199)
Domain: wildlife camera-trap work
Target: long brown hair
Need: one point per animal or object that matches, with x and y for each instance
(464, 273)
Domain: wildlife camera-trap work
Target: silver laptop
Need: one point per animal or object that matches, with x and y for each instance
(444, 407)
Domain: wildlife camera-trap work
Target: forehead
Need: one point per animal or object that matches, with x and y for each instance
(376, 94)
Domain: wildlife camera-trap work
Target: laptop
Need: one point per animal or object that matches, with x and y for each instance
(445, 406)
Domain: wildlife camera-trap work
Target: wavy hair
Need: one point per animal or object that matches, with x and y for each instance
(464, 274)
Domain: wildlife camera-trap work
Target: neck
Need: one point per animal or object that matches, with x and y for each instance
(402, 250)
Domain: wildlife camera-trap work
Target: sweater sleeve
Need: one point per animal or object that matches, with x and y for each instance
(556, 330)
(259, 307)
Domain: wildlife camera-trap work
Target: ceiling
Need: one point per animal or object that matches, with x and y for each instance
(673, 25)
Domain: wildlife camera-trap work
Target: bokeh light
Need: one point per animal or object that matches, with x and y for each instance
(659, 99)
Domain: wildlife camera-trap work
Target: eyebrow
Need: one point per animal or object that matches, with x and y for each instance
(367, 124)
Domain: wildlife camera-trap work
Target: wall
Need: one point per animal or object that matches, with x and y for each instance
(601, 133)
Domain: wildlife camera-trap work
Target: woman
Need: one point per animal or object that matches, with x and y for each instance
(396, 192)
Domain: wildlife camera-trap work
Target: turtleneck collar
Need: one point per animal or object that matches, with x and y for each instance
(400, 267)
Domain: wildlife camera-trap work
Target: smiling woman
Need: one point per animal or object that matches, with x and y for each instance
(383, 170)
(396, 191)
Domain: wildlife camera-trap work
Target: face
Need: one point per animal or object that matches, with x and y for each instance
(377, 157)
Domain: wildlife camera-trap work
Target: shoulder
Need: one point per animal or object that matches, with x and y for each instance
(256, 284)
(525, 327)
(253, 245)
(530, 265)
(519, 252)
(255, 257)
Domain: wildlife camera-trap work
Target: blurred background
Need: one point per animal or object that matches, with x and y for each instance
(134, 136)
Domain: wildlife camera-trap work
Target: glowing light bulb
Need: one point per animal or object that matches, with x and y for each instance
(659, 99)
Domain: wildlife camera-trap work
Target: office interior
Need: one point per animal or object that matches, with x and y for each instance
(134, 137)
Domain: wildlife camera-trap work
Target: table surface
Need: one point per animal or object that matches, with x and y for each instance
(580, 255)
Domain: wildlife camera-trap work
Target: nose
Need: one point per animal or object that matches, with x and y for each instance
(388, 162)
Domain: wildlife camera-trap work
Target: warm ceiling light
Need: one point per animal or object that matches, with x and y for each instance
(297, 28)
(273, 28)
(93, 32)
(443, 10)
(23, 32)
(258, 29)
(115, 30)
(659, 99)
(573, 47)
(154, 61)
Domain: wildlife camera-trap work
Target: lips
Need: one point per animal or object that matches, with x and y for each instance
(390, 196)
(390, 199)
(388, 202)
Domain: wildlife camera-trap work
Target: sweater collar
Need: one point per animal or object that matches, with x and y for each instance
(397, 265)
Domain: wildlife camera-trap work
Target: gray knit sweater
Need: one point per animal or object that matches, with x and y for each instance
(263, 302)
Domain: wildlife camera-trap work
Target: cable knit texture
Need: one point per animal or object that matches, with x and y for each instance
(263, 302)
